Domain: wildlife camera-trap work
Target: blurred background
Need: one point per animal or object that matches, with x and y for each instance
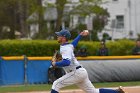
(39, 19)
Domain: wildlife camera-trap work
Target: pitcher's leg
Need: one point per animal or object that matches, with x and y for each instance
(65, 80)
(102, 90)
(119, 90)
(87, 86)
(53, 91)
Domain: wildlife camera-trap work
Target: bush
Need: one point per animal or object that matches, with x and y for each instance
(27, 47)
(121, 47)
(46, 48)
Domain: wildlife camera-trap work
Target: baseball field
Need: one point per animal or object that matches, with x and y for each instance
(129, 87)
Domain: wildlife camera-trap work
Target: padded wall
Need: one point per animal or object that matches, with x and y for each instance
(113, 70)
(37, 71)
(12, 72)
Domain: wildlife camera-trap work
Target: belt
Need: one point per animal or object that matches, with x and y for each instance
(78, 67)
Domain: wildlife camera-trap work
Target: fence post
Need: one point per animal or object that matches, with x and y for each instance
(25, 69)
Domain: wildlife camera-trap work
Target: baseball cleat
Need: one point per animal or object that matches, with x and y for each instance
(121, 90)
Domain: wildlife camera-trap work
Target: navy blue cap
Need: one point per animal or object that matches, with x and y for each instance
(64, 33)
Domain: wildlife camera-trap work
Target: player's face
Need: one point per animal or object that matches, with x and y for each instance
(60, 39)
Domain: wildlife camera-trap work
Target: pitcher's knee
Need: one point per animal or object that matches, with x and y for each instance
(56, 85)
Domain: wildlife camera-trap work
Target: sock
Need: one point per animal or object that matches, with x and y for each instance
(108, 91)
(53, 91)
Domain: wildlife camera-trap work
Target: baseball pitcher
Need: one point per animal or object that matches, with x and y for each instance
(75, 73)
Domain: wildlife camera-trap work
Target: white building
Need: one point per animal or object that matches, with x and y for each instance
(124, 21)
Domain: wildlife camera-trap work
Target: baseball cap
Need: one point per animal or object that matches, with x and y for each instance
(64, 33)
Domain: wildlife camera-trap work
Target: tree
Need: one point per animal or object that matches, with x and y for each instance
(8, 17)
(23, 13)
(35, 7)
(88, 7)
(60, 4)
(14, 13)
(41, 22)
(99, 22)
(83, 8)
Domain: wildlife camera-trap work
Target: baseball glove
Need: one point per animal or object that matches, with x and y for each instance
(56, 57)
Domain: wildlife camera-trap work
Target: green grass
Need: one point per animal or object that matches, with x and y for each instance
(47, 87)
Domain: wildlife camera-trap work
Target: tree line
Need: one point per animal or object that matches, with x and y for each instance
(14, 17)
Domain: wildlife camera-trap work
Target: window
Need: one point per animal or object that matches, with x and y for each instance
(120, 21)
(81, 20)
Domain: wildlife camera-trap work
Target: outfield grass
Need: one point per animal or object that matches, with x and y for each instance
(47, 87)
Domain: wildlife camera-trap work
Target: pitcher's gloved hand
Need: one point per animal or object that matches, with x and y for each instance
(56, 57)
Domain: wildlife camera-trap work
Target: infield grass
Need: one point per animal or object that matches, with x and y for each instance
(47, 87)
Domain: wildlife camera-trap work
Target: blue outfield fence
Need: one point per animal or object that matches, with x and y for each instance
(19, 71)
(34, 70)
(0, 72)
(37, 71)
(12, 72)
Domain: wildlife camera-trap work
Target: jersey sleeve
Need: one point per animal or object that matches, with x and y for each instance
(63, 63)
(76, 40)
